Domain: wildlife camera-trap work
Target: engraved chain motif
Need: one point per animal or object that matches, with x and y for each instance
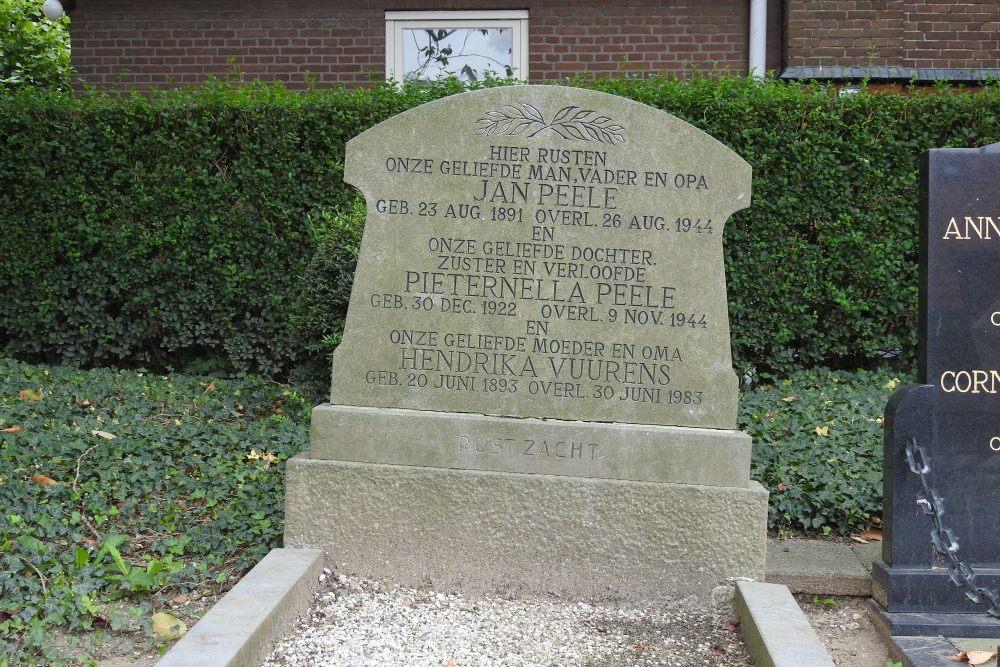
(944, 539)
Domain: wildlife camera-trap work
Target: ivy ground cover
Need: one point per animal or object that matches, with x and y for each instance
(121, 488)
(122, 491)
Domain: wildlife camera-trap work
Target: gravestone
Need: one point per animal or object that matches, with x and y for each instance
(535, 390)
(941, 552)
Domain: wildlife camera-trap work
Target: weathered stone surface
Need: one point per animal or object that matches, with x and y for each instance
(535, 390)
(778, 634)
(541, 251)
(508, 533)
(243, 626)
(553, 447)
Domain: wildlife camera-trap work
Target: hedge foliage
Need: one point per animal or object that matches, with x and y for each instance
(184, 226)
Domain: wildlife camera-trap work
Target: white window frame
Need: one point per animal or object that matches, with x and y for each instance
(395, 22)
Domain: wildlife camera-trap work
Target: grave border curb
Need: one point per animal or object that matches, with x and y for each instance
(776, 630)
(241, 628)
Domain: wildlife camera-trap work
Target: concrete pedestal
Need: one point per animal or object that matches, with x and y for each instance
(467, 441)
(516, 534)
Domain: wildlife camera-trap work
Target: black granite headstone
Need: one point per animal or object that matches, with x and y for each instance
(942, 438)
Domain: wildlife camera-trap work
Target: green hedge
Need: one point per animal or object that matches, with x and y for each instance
(183, 227)
(823, 267)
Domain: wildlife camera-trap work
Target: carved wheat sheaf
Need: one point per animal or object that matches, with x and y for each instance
(569, 123)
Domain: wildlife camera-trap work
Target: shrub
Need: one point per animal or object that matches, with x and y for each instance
(822, 268)
(163, 230)
(34, 50)
(326, 285)
(183, 227)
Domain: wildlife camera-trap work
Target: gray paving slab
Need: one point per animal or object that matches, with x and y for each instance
(977, 644)
(867, 554)
(821, 567)
(942, 651)
(974, 644)
(776, 631)
(925, 651)
(241, 628)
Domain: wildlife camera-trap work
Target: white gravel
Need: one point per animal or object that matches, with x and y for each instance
(359, 623)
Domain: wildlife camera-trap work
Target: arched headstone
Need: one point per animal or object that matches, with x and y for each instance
(540, 295)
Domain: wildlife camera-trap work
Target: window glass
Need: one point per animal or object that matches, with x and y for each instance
(468, 53)
(470, 45)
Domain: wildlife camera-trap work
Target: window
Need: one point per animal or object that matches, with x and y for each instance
(469, 45)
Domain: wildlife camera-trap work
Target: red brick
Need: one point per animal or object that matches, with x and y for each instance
(342, 43)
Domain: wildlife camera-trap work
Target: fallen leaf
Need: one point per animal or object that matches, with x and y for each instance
(84, 403)
(822, 430)
(180, 599)
(788, 399)
(859, 539)
(104, 434)
(168, 626)
(891, 384)
(11, 429)
(980, 657)
(210, 387)
(42, 480)
(268, 459)
(30, 395)
(973, 657)
(874, 535)
(781, 486)
(718, 649)
(731, 624)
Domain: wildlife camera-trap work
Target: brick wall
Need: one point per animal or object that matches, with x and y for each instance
(619, 37)
(911, 33)
(139, 44)
(136, 44)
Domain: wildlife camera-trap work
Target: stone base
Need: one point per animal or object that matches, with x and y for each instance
(525, 534)
(609, 450)
(928, 590)
(931, 624)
